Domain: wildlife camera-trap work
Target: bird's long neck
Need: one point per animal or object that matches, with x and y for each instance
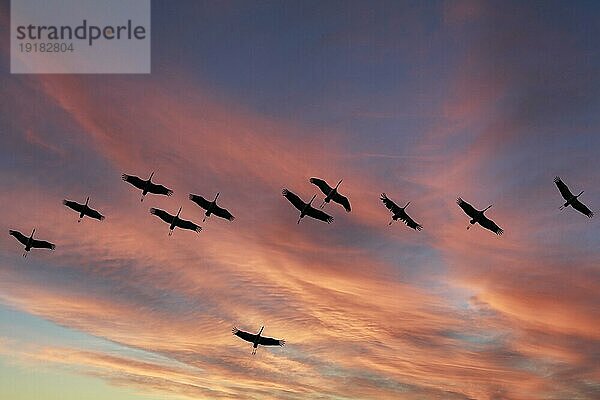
(311, 200)
(579, 194)
(151, 175)
(261, 329)
(406, 205)
(177, 216)
(32, 232)
(87, 201)
(216, 197)
(485, 209)
(338, 184)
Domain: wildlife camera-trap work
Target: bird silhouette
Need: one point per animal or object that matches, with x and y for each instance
(83, 209)
(211, 207)
(571, 199)
(331, 193)
(478, 217)
(399, 213)
(257, 339)
(147, 186)
(305, 208)
(30, 242)
(174, 221)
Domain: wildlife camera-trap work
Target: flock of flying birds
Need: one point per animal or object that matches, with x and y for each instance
(306, 210)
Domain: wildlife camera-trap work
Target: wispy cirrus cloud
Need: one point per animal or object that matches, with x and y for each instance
(369, 311)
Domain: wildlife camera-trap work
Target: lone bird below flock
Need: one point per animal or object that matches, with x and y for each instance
(211, 207)
(174, 221)
(306, 208)
(30, 242)
(83, 209)
(398, 213)
(331, 193)
(256, 339)
(571, 199)
(478, 217)
(147, 186)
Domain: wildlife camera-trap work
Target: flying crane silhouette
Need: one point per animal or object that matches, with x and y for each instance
(478, 217)
(30, 242)
(83, 209)
(306, 208)
(398, 213)
(147, 186)
(571, 199)
(331, 194)
(174, 221)
(211, 207)
(257, 339)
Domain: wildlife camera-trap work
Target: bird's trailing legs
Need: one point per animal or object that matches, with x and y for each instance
(254, 351)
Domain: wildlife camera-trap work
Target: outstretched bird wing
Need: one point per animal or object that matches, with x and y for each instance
(267, 341)
(90, 212)
(321, 184)
(564, 190)
(467, 208)
(134, 180)
(201, 201)
(579, 206)
(247, 336)
(343, 200)
(294, 199)
(318, 214)
(491, 225)
(393, 207)
(42, 244)
(159, 189)
(73, 205)
(185, 224)
(411, 223)
(19, 236)
(223, 213)
(162, 214)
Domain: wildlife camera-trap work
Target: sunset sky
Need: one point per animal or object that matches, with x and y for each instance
(425, 101)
